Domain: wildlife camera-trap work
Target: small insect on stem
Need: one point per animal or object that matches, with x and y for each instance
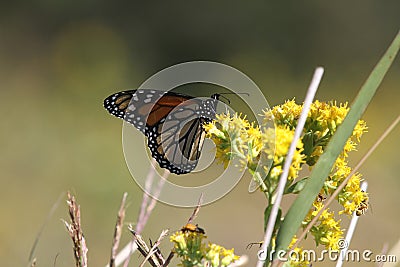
(192, 228)
(362, 208)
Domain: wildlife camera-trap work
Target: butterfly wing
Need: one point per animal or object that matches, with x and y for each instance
(142, 107)
(172, 123)
(176, 142)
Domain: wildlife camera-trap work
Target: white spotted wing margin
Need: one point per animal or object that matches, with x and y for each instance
(127, 104)
(172, 123)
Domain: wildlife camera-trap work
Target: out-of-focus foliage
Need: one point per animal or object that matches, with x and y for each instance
(59, 59)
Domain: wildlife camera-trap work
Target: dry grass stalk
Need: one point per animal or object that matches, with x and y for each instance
(32, 260)
(384, 251)
(168, 260)
(33, 263)
(155, 259)
(118, 230)
(149, 206)
(197, 209)
(155, 250)
(146, 197)
(393, 252)
(75, 231)
(146, 209)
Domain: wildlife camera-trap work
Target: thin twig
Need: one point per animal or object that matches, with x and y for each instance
(118, 230)
(344, 183)
(146, 197)
(153, 201)
(159, 256)
(288, 160)
(49, 215)
(55, 260)
(153, 249)
(126, 252)
(33, 262)
(384, 251)
(168, 260)
(145, 210)
(196, 210)
(394, 252)
(154, 198)
(75, 231)
(143, 248)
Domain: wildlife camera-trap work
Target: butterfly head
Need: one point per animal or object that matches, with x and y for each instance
(219, 96)
(216, 96)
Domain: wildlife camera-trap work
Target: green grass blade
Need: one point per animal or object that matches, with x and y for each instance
(302, 205)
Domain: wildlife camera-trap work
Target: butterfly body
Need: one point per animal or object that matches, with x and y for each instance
(172, 123)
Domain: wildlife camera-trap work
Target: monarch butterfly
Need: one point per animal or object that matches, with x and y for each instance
(172, 123)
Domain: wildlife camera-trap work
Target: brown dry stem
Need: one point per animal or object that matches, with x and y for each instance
(118, 230)
(74, 229)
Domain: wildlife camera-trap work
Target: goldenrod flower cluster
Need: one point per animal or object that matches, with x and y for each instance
(322, 122)
(255, 145)
(327, 231)
(230, 135)
(192, 251)
(298, 258)
(234, 136)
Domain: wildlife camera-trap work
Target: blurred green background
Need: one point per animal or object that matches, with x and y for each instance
(60, 59)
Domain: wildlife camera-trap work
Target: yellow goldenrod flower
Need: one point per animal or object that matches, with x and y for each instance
(300, 259)
(179, 240)
(213, 254)
(352, 196)
(228, 257)
(220, 256)
(359, 130)
(234, 136)
(191, 249)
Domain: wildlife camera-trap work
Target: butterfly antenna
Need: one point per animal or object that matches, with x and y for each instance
(232, 93)
(225, 98)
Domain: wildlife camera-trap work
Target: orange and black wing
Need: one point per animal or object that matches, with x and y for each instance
(143, 108)
(173, 124)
